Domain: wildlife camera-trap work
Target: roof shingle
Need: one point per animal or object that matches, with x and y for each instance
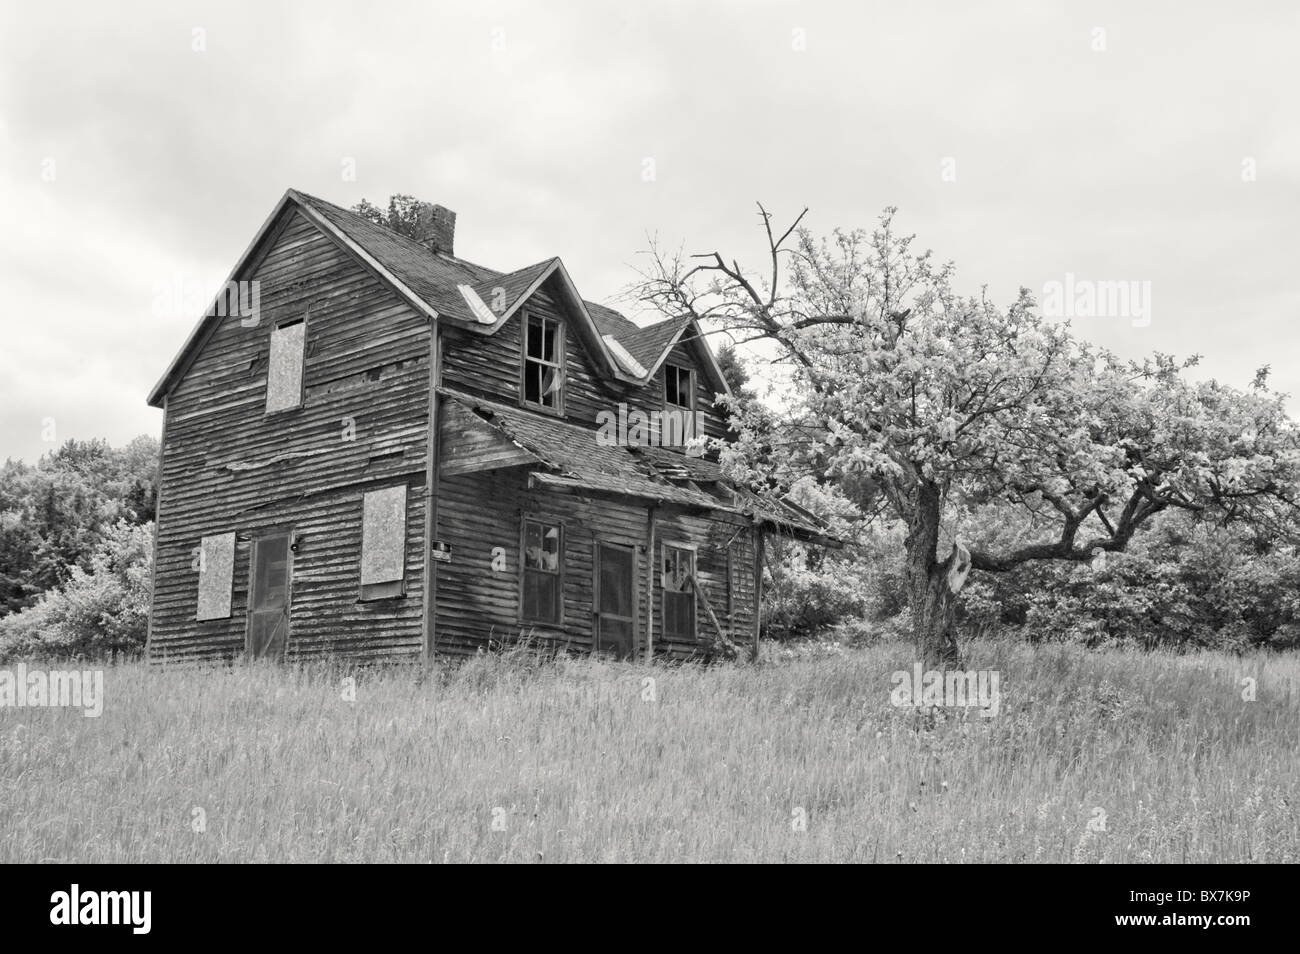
(578, 459)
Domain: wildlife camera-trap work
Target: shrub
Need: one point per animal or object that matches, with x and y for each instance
(1183, 584)
(100, 612)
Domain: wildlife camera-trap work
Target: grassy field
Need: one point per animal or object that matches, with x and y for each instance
(1106, 756)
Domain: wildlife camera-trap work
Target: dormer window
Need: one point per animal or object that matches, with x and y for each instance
(679, 387)
(543, 385)
(677, 423)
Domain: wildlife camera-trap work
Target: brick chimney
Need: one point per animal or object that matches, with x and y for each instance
(435, 228)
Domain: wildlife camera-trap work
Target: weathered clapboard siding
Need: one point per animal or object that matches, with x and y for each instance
(467, 447)
(489, 367)
(230, 466)
(478, 605)
(326, 617)
(370, 301)
(651, 397)
(710, 539)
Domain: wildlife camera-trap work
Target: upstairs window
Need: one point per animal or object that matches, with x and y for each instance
(542, 563)
(679, 387)
(678, 425)
(544, 363)
(678, 583)
(284, 372)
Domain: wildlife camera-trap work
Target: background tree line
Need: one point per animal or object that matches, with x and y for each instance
(1087, 497)
(76, 549)
(1186, 582)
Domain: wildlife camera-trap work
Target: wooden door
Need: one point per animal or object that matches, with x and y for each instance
(615, 599)
(268, 604)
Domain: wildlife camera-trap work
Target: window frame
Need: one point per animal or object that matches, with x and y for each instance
(679, 439)
(690, 377)
(561, 342)
(524, 569)
(302, 368)
(693, 550)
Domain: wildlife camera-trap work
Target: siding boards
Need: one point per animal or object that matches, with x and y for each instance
(651, 397)
(489, 367)
(326, 617)
(228, 466)
(478, 608)
(710, 539)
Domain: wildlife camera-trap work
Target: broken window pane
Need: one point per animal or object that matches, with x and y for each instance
(678, 388)
(543, 362)
(542, 561)
(550, 334)
(678, 583)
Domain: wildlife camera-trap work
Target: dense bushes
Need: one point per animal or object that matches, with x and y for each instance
(53, 515)
(811, 590)
(100, 612)
(1182, 584)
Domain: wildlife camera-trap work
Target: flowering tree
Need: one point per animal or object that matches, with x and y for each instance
(920, 401)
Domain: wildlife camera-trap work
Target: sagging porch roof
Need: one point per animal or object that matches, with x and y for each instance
(480, 435)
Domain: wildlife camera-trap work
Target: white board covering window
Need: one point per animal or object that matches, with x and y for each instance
(383, 537)
(216, 573)
(284, 375)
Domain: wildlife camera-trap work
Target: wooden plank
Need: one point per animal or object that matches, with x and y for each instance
(364, 421)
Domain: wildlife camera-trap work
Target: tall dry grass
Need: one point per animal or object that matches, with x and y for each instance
(507, 760)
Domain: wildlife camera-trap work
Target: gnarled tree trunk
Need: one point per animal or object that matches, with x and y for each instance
(931, 584)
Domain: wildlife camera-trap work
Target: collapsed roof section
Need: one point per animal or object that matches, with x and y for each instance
(480, 435)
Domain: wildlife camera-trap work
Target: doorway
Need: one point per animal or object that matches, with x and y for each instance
(615, 600)
(268, 604)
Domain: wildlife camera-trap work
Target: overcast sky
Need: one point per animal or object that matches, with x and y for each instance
(144, 143)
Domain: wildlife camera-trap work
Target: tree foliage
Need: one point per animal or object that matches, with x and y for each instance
(54, 515)
(402, 215)
(99, 611)
(921, 402)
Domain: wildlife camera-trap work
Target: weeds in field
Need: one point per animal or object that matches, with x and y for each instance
(1110, 756)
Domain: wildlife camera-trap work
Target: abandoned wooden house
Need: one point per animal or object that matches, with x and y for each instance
(375, 449)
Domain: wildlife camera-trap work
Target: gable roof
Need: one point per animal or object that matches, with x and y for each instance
(481, 299)
(651, 344)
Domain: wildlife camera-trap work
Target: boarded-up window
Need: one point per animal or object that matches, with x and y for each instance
(678, 583)
(542, 562)
(383, 542)
(284, 375)
(216, 572)
(544, 362)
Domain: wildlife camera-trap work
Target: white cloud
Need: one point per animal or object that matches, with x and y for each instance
(1123, 164)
